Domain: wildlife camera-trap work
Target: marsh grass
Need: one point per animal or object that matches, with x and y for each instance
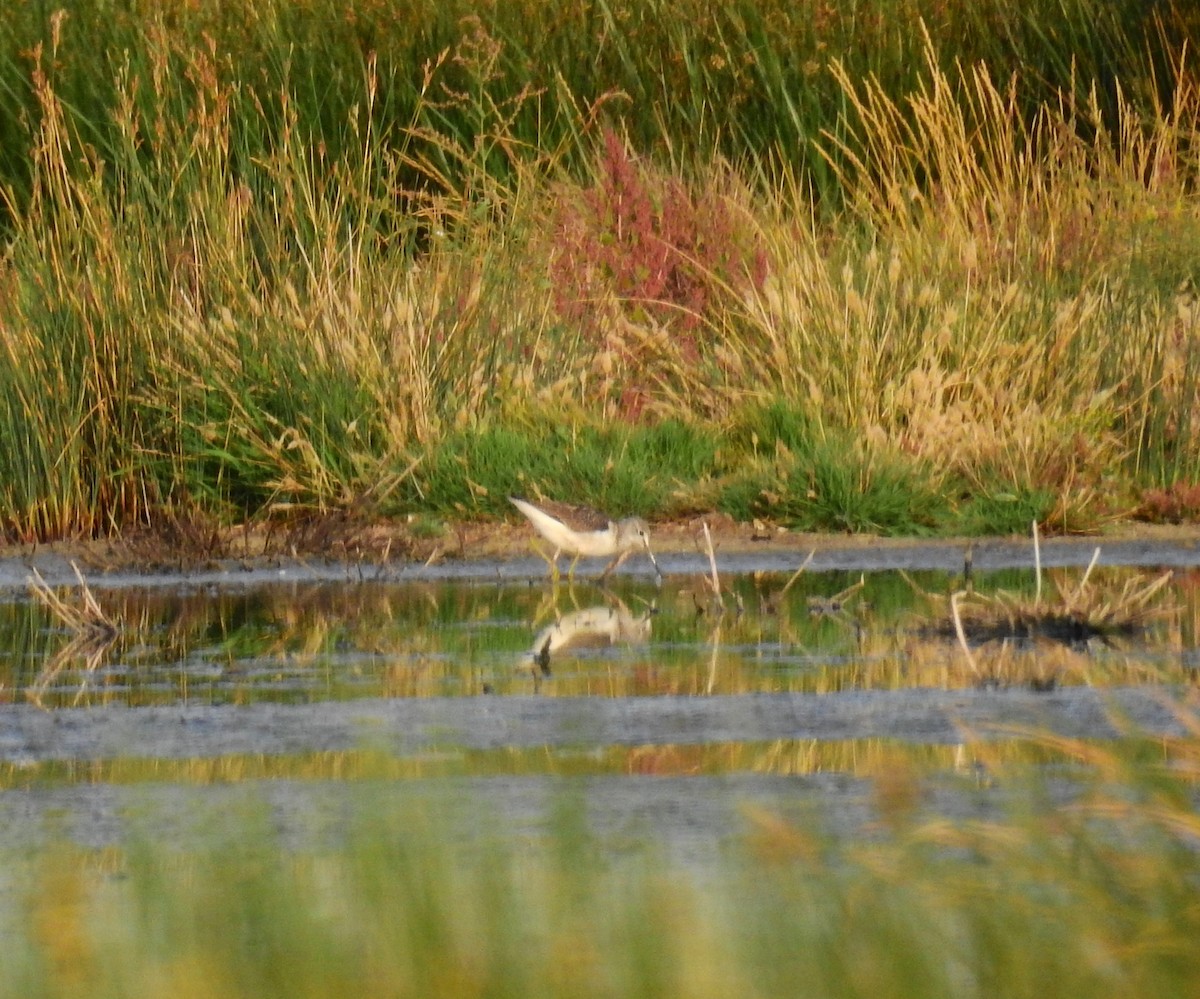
(634, 469)
(275, 260)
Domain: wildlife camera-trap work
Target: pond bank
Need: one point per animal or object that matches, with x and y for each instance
(504, 551)
(416, 726)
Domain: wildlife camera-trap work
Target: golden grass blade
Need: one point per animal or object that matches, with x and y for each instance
(714, 580)
(958, 630)
(1037, 564)
(1083, 580)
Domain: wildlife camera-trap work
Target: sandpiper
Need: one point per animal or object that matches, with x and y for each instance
(589, 626)
(582, 531)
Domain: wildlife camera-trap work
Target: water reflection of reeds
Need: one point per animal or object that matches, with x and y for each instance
(863, 758)
(373, 639)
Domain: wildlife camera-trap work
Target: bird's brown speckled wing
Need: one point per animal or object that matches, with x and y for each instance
(576, 517)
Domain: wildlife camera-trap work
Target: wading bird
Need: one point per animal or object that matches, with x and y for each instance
(584, 532)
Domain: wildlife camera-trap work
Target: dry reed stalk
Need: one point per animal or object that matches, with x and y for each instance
(90, 648)
(714, 581)
(1037, 565)
(958, 630)
(796, 575)
(1086, 575)
(90, 621)
(93, 632)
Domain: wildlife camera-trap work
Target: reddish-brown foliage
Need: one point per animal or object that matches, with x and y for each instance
(1179, 503)
(647, 240)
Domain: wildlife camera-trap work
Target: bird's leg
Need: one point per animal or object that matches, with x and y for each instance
(551, 562)
(548, 608)
(615, 563)
(571, 570)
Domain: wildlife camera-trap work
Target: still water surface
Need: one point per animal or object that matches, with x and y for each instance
(654, 703)
(307, 642)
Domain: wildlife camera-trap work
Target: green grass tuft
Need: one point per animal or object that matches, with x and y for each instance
(1004, 511)
(622, 470)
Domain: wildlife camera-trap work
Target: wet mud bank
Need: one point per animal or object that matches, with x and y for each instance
(692, 819)
(411, 727)
(679, 553)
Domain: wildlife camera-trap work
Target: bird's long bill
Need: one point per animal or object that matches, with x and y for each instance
(653, 560)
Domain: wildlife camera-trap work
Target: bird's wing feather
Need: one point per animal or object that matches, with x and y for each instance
(576, 517)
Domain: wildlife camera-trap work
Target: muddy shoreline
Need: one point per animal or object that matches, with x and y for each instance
(694, 818)
(504, 551)
(418, 726)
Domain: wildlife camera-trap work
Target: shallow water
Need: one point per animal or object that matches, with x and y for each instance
(493, 680)
(307, 642)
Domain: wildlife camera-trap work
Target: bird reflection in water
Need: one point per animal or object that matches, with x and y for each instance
(600, 626)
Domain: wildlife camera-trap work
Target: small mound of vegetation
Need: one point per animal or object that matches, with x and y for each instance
(1079, 613)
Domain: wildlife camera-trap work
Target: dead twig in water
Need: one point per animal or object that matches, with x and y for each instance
(772, 603)
(93, 632)
(958, 630)
(835, 604)
(89, 648)
(1079, 590)
(796, 575)
(90, 622)
(1037, 565)
(715, 581)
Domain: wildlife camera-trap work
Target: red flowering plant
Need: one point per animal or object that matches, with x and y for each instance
(644, 266)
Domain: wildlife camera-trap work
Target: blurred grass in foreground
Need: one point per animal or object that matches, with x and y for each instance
(1096, 896)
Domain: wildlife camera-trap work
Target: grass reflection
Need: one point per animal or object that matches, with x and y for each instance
(881, 758)
(828, 632)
